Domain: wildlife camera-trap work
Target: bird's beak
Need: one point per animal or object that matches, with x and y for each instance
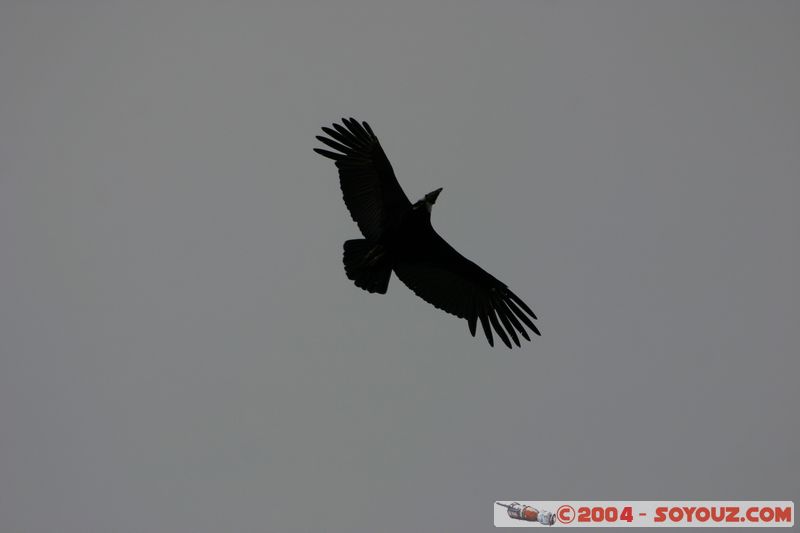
(431, 196)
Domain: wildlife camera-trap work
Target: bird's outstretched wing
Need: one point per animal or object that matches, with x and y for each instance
(451, 282)
(369, 186)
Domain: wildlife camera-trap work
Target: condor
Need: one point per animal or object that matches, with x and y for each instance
(399, 238)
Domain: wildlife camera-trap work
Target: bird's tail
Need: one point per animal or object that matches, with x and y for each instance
(367, 264)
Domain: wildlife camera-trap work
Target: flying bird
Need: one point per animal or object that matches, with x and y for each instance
(398, 237)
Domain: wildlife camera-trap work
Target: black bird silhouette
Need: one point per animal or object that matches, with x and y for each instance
(398, 236)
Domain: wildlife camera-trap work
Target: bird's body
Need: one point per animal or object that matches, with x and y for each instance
(399, 238)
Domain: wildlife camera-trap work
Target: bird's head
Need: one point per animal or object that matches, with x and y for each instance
(428, 200)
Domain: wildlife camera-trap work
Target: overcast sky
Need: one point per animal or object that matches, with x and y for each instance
(180, 350)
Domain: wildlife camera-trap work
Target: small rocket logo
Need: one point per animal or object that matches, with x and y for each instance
(527, 513)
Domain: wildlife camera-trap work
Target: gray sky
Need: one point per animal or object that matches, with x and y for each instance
(181, 351)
